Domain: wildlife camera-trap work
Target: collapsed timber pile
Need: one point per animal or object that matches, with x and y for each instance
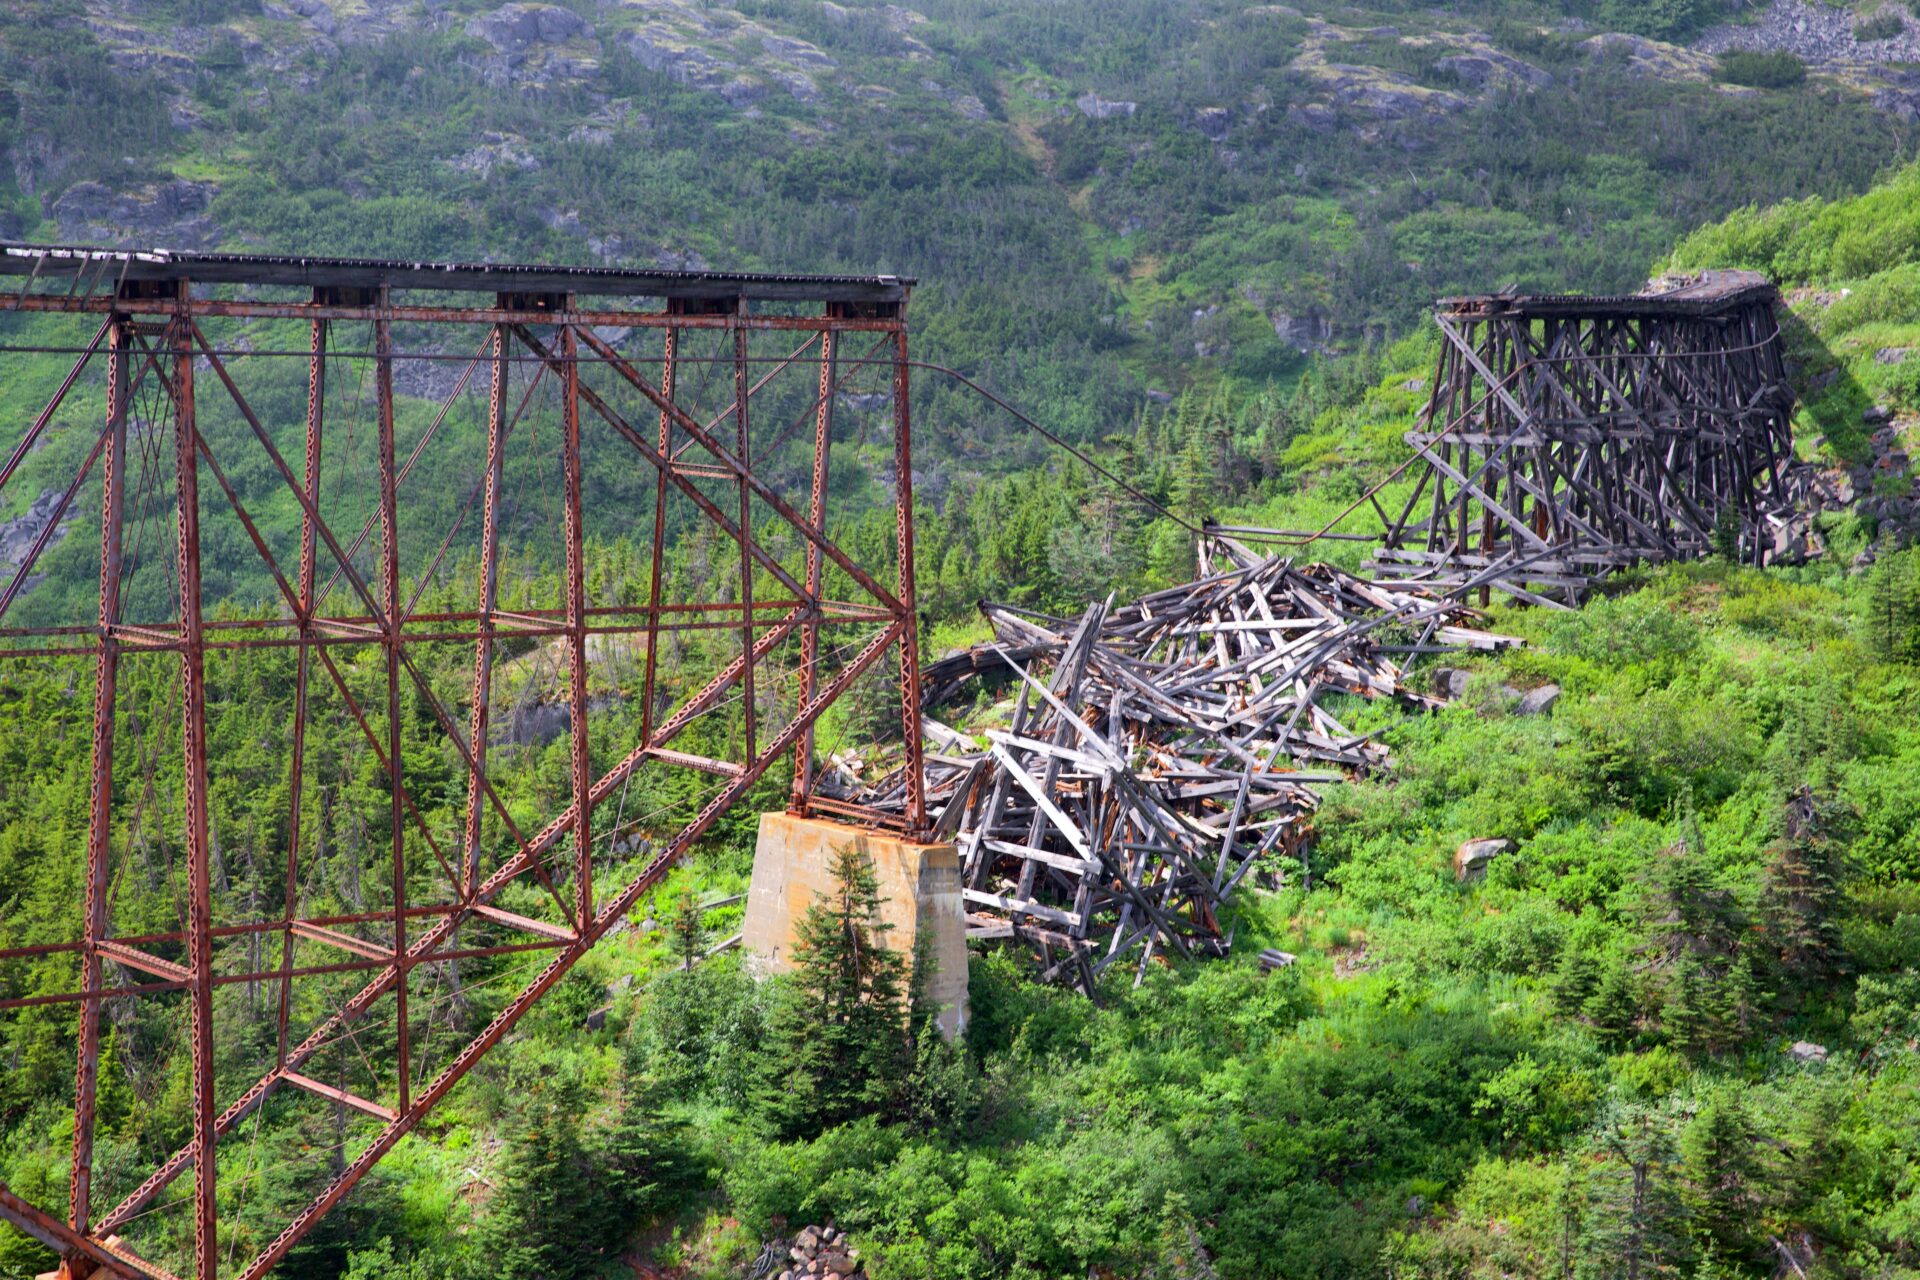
(1160, 753)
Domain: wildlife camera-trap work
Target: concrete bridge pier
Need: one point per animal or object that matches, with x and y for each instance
(919, 890)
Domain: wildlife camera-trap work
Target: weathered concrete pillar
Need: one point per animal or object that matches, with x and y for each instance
(919, 891)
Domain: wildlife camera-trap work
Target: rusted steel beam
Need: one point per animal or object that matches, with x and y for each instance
(397, 800)
(174, 265)
(106, 675)
(916, 771)
(654, 589)
(303, 614)
(81, 1255)
(611, 913)
(481, 703)
(573, 521)
(803, 768)
(206, 1238)
(239, 309)
(743, 446)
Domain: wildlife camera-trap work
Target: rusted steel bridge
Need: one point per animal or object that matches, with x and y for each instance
(695, 391)
(1569, 436)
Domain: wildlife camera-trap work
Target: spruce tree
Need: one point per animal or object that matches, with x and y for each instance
(840, 1035)
(548, 1219)
(1614, 1006)
(687, 929)
(1631, 1227)
(1800, 902)
(644, 1160)
(1574, 981)
(1893, 607)
(1723, 1173)
(1688, 1015)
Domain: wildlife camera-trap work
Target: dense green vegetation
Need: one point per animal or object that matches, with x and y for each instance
(1578, 1067)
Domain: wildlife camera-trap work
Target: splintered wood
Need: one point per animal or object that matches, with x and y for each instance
(1159, 754)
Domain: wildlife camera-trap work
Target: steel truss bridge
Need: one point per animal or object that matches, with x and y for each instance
(231, 388)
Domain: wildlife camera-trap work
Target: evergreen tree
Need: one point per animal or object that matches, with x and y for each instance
(1195, 485)
(943, 1093)
(644, 1158)
(686, 927)
(1707, 989)
(1893, 606)
(1723, 1173)
(840, 1036)
(1614, 1006)
(1800, 901)
(1726, 533)
(551, 1217)
(1574, 981)
(1632, 1225)
(1687, 1014)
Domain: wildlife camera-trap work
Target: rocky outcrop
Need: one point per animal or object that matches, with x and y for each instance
(1819, 34)
(1306, 333)
(1537, 702)
(18, 535)
(514, 28)
(1807, 1051)
(495, 151)
(1489, 69)
(1214, 123)
(683, 63)
(969, 106)
(1095, 107)
(1883, 488)
(170, 215)
(1648, 59)
(536, 47)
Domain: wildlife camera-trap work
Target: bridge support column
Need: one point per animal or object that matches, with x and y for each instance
(919, 891)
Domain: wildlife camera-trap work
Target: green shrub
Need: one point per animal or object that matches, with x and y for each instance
(1781, 70)
(1887, 24)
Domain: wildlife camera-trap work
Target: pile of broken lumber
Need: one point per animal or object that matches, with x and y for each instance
(1158, 754)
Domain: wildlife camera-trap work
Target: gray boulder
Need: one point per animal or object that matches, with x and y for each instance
(1807, 1051)
(1538, 701)
(1470, 860)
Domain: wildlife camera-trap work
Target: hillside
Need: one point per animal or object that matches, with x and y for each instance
(1101, 200)
(1109, 206)
(1671, 1032)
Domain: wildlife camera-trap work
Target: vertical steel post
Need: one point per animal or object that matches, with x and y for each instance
(910, 624)
(740, 393)
(667, 369)
(106, 678)
(817, 520)
(390, 606)
(480, 727)
(206, 1240)
(574, 521)
(296, 771)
